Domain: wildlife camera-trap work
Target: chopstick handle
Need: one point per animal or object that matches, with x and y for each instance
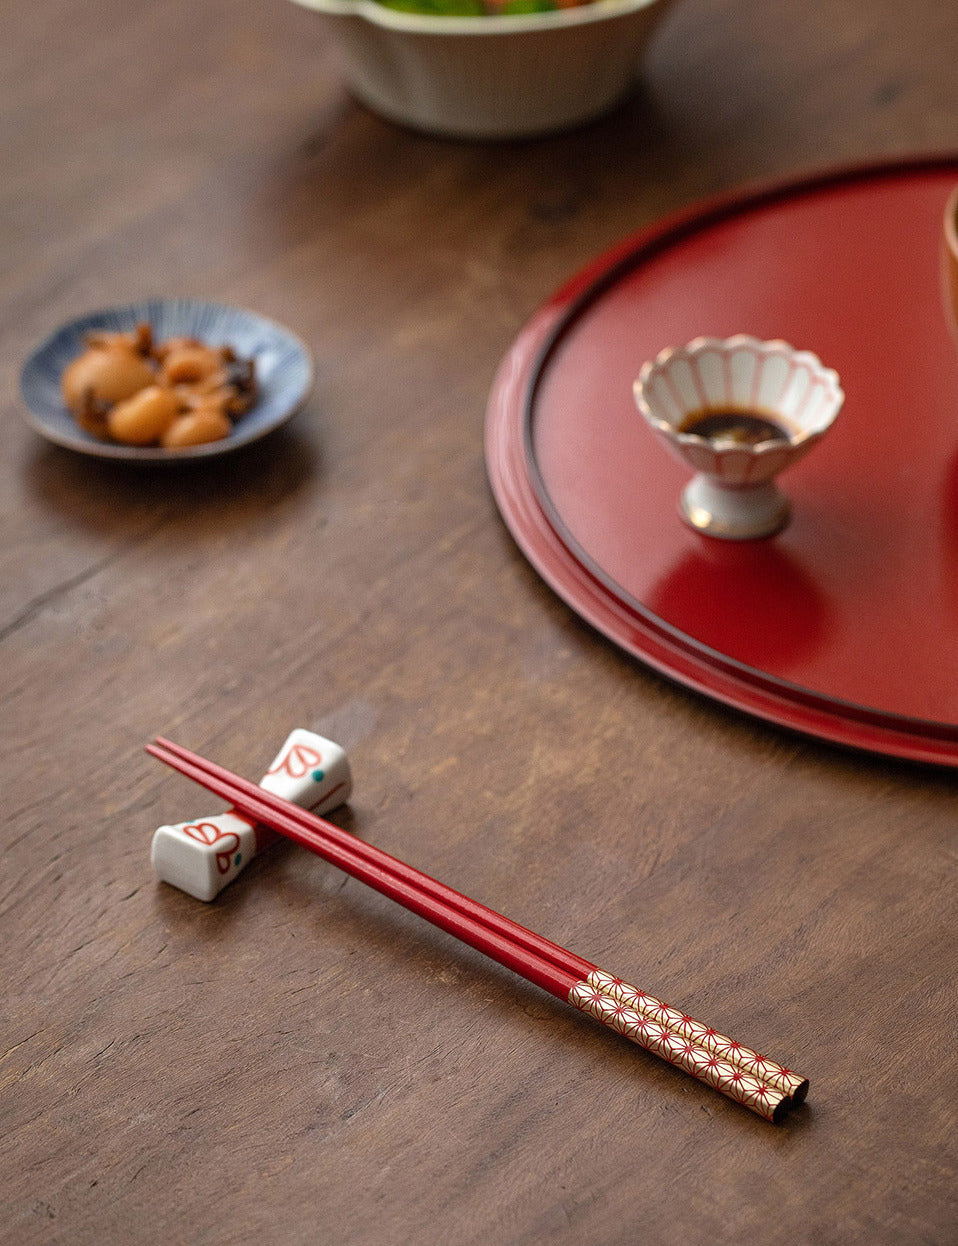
(759, 1067)
(759, 1096)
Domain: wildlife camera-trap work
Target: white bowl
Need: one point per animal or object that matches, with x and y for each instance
(501, 76)
(733, 494)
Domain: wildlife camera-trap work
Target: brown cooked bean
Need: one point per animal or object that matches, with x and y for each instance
(109, 374)
(196, 428)
(145, 417)
(190, 364)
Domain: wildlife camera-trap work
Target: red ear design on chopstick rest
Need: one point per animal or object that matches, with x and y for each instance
(210, 834)
(203, 856)
(296, 760)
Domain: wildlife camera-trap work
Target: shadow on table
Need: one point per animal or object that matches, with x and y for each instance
(102, 495)
(354, 162)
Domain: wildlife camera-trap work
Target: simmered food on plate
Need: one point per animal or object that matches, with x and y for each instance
(129, 388)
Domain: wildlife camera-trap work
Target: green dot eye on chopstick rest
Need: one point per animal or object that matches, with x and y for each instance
(203, 856)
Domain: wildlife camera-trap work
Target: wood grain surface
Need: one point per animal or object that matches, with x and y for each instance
(301, 1062)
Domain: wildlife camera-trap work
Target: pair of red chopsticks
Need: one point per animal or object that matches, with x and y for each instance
(765, 1086)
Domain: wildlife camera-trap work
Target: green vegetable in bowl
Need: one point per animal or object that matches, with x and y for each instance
(437, 8)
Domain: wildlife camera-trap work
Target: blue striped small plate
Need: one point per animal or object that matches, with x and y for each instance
(284, 373)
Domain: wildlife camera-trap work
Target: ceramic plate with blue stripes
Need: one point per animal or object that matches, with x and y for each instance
(284, 373)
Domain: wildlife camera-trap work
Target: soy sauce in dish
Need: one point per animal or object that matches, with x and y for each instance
(740, 427)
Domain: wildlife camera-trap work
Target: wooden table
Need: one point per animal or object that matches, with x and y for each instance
(301, 1061)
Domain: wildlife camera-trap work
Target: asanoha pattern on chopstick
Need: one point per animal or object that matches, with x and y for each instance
(769, 1072)
(760, 1096)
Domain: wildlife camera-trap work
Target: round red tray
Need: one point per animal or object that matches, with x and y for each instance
(845, 625)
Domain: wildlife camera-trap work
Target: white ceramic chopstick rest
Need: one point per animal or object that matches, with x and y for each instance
(310, 771)
(203, 856)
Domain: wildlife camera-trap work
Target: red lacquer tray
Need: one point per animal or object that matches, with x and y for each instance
(844, 626)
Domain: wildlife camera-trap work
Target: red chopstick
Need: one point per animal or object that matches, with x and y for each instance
(385, 874)
(563, 960)
(765, 1086)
